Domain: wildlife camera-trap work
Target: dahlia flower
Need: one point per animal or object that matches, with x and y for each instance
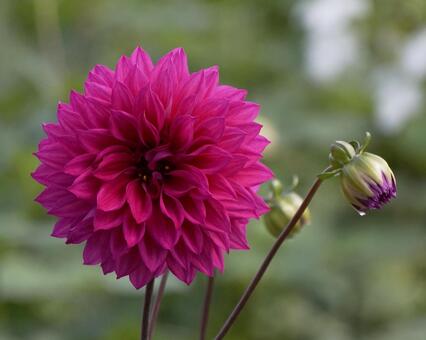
(154, 168)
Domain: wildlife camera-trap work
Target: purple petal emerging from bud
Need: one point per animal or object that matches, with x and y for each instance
(382, 193)
(368, 182)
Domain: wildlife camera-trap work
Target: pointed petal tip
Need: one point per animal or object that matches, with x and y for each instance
(214, 68)
(178, 50)
(53, 234)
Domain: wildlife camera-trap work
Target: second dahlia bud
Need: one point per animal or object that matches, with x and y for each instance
(283, 208)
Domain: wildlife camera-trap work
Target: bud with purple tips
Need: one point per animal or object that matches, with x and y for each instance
(367, 181)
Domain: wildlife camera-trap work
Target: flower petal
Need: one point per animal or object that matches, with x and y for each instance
(112, 195)
(124, 126)
(193, 237)
(53, 155)
(108, 219)
(79, 164)
(151, 253)
(85, 186)
(139, 201)
(127, 263)
(209, 159)
(141, 276)
(113, 165)
(133, 231)
(181, 132)
(147, 102)
(118, 245)
(172, 208)
(162, 229)
(142, 60)
(96, 140)
(210, 129)
(148, 132)
(179, 182)
(121, 97)
(253, 174)
(94, 249)
(194, 209)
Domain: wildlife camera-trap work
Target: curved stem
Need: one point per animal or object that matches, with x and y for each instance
(157, 304)
(146, 309)
(281, 238)
(206, 308)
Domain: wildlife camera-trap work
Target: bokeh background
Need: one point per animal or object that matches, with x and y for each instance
(322, 70)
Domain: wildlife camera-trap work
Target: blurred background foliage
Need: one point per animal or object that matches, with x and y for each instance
(322, 70)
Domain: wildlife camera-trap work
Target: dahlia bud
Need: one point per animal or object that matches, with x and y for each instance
(367, 181)
(283, 206)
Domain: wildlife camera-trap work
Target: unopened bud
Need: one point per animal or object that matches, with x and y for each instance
(367, 181)
(283, 208)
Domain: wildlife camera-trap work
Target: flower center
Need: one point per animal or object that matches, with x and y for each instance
(145, 169)
(142, 170)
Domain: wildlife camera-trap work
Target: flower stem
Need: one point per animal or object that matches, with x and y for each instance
(206, 307)
(157, 304)
(281, 238)
(146, 309)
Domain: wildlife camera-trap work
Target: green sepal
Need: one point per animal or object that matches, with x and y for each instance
(328, 174)
(341, 152)
(356, 145)
(366, 142)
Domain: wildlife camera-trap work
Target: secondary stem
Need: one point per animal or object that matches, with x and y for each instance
(157, 304)
(281, 238)
(146, 309)
(206, 307)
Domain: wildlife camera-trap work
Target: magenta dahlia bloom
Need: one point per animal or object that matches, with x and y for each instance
(154, 168)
